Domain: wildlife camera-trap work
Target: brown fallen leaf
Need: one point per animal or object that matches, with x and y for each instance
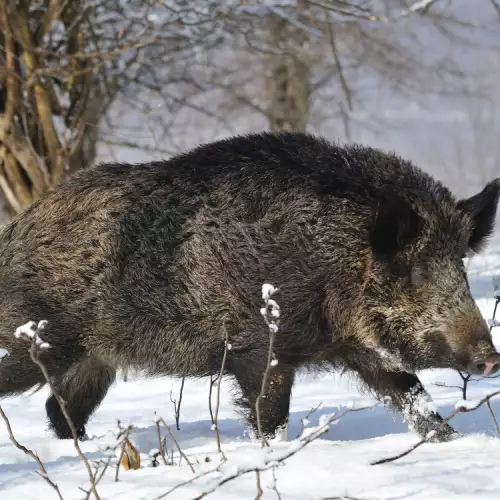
(131, 458)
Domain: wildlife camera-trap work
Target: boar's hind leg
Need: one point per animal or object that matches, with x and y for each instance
(274, 408)
(83, 388)
(408, 396)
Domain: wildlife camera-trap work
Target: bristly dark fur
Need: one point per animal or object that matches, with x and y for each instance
(140, 266)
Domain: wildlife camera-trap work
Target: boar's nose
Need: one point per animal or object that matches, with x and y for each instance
(486, 366)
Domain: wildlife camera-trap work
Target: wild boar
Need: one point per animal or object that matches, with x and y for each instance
(148, 267)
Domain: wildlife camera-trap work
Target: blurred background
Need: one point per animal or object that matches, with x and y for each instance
(86, 81)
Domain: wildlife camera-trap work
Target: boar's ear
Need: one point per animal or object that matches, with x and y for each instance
(482, 207)
(395, 225)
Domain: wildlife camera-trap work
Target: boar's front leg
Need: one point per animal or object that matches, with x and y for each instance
(274, 406)
(408, 396)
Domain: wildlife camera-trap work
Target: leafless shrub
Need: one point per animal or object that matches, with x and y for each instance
(161, 421)
(31, 332)
(42, 472)
(270, 460)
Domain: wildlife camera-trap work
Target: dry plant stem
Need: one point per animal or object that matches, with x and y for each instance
(495, 311)
(182, 454)
(302, 426)
(177, 406)
(426, 439)
(272, 335)
(186, 483)
(275, 487)
(338, 65)
(122, 451)
(465, 379)
(259, 486)
(124, 434)
(217, 403)
(210, 390)
(30, 453)
(160, 441)
(262, 438)
(99, 474)
(493, 416)
(34, 351)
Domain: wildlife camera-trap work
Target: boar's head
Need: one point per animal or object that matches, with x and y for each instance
(417, 294)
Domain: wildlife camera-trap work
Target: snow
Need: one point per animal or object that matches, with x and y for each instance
(336, 464)
(467, 404)
(268, 290)
(30, 330)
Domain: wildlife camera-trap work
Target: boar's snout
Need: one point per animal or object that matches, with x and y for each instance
(486, 366)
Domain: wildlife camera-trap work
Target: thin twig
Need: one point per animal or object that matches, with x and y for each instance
(493, 416)
(343, 82)
(272, 324)
(43, 472)
(302, 424)
(34, 352)
(122, 452)
(160, 441)
(465, 379)
(182, 454)
(210, 390)
(215, 423)
(274, 484)
(186, 483)
(259, 486)
(177, 406)
(430, 435)
(122, 436)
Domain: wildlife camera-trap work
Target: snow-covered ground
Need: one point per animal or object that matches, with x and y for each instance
(336, 465)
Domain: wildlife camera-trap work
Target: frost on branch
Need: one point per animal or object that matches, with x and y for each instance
(30, 331)
(466, 404)
(267, 291)
(271, 314)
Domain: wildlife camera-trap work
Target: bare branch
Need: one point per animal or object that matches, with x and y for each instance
(343, 82)
(177, 406)
(430, 435)
(36, 347)
(181, 453)
(43, 472)
(215, 424)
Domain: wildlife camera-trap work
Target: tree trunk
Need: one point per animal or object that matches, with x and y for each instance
(287, 77)
(42, 140)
